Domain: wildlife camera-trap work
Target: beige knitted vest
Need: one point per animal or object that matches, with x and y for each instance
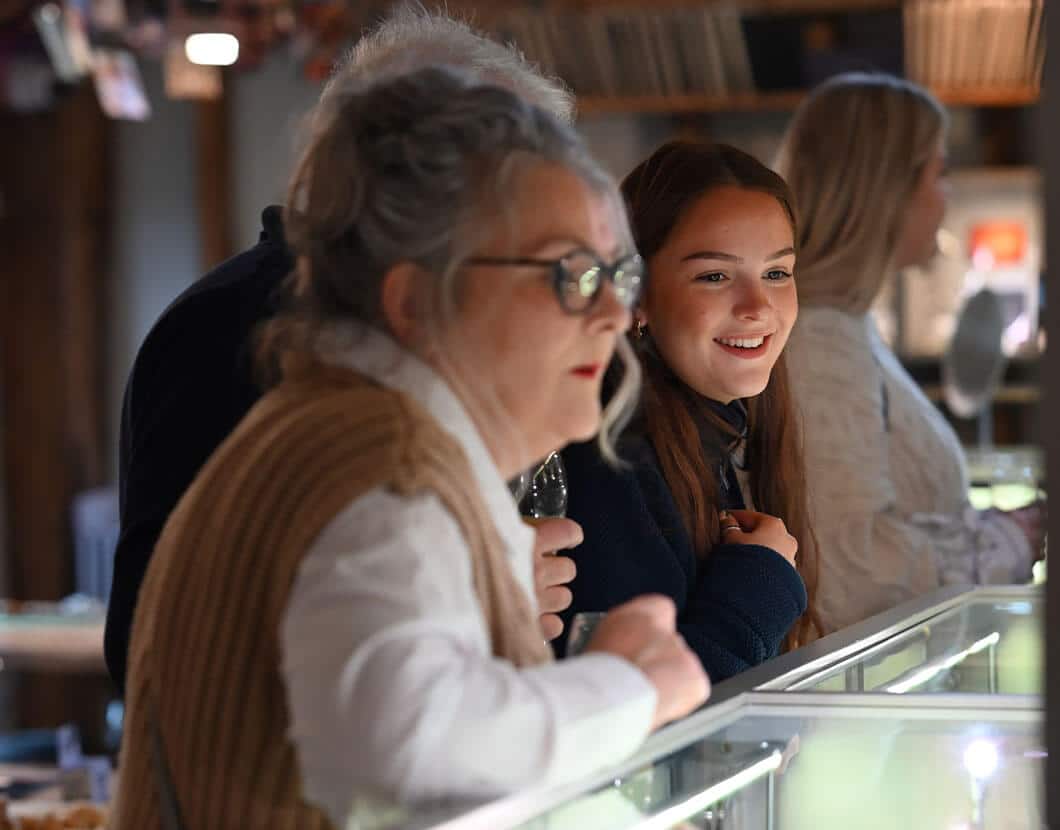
(205, 654)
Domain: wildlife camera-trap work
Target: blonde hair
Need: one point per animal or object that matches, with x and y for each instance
(852, 155)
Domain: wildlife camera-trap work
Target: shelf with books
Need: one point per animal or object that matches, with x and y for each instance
(780, 101)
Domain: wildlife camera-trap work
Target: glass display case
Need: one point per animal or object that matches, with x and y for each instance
(928, 716)
(1004, 477)
(986, 645)
(985, 640)
(833, 762)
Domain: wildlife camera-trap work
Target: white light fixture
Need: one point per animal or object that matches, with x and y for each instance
(980, 759)
(212, 48)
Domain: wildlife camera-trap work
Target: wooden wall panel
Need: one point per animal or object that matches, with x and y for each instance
(54, 231)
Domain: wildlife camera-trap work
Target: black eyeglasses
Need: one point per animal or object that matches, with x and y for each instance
(579, 277)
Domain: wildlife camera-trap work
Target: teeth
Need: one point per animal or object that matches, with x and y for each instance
(742, 342)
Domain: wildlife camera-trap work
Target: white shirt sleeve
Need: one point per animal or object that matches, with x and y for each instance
(978, 547)
(393, 692)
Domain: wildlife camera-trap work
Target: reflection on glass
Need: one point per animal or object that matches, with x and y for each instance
(1005, 478)
(866, 767)
(985, 647)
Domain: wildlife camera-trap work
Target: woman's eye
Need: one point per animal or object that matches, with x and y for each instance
(777, 275)
(713, 276)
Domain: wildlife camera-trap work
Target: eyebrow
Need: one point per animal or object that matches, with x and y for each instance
(789, 251)
(580, 245)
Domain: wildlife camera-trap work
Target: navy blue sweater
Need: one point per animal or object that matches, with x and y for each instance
(193, 380)
(734, 609)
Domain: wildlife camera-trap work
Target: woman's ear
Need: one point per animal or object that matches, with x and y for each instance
(403, 296)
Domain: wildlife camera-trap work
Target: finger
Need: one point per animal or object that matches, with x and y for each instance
(551, 626)
(735, 537)
(557, 598)
(748, 519)
(657, 609)
(727, 521)
(659, 649)
(556, 534)
(554, 570)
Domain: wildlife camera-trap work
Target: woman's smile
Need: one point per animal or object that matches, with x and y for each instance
(746, 347)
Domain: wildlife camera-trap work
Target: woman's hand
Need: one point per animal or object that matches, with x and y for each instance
(644, 632)
(552, 572)
(746, 527)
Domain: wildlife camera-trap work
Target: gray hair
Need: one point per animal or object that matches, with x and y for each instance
(417, 169)
(852, 156)
(413, 38)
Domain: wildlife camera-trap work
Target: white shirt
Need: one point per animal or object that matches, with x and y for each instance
(887, 483)
(394, 695)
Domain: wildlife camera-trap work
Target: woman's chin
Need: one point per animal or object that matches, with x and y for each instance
(749, 389)
(580, 428)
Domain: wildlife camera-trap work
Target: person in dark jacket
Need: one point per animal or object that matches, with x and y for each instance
(711, 507)
(193, 379)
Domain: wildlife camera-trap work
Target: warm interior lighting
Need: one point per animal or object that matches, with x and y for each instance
(212, 48)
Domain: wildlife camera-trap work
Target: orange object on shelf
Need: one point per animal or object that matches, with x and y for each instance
(1004, 240)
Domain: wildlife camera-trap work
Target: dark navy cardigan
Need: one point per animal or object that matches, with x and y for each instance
(192, 382)
(734, 609)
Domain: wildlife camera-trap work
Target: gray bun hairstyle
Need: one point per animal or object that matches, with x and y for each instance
(417, 168)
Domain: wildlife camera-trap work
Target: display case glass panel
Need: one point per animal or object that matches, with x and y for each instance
(820, 766)
(986, 646)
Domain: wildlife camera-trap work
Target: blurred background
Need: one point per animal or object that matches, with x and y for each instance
(140, 139)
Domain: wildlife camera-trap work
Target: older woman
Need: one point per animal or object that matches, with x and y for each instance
(865, 156)
(356, 630)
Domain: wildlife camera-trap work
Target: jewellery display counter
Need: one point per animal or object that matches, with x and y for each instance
(928, 716)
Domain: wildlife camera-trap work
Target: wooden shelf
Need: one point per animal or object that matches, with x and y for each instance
(753, 6)
(1020, 97)
(779, 101)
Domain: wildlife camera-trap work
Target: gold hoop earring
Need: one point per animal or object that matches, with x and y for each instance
(638, 328)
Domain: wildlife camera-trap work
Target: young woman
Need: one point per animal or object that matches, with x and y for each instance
(711, 511)
(338, 619)
(865, 156)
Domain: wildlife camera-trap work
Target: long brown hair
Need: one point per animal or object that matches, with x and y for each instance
(658, 192)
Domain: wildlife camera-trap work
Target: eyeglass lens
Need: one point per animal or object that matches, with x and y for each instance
(583, 277)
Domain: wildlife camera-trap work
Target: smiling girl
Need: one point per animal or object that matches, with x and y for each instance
(711, 510)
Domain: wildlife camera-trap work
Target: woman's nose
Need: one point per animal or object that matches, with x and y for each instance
(752, 302)
(609, 311)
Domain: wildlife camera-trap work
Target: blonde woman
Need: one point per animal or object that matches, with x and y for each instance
(866, 157)
(339, 618)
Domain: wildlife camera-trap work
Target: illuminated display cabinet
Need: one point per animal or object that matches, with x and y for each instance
(928, 716)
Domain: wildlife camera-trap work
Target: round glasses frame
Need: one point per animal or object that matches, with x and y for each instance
(578, 278)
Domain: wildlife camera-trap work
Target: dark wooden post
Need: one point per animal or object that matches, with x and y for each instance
(213, 171)
(54, 232)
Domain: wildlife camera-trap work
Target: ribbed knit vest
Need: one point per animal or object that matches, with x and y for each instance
(204, 664)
